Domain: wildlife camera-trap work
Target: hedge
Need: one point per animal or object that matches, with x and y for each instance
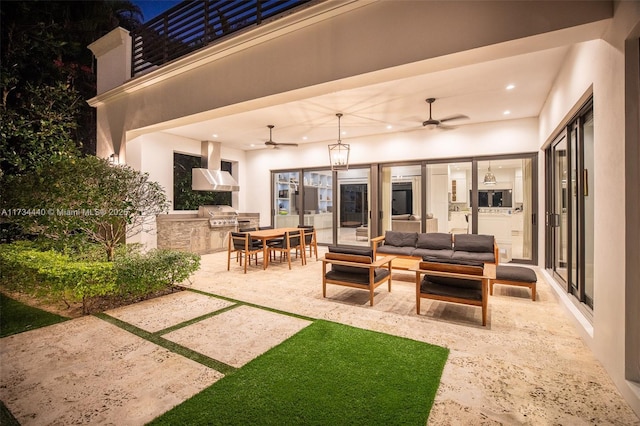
(55, 275)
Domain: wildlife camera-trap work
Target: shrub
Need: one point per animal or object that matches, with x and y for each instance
(55, 275)
(140, 274)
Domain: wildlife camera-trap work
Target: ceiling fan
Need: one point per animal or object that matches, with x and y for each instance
(274, 145)
(432, 123)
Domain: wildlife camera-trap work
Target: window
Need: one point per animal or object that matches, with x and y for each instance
(184, 198)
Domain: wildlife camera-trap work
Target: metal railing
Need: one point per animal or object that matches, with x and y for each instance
(192, 25)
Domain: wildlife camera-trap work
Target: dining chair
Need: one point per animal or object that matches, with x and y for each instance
(272, 242)
(293, 240)
(242, 244)
(310, 240)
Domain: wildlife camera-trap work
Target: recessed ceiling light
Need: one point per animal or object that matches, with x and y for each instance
(511, 87)
(304, 138)
(507, 112)
(252, 145)
(389, 127)
(215, 135)
(344, 132)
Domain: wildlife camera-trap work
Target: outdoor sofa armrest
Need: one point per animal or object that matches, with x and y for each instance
(355, 260)
(375, 242)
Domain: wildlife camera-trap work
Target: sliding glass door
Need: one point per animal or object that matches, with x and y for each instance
(570, 207)
(448, 197)
(401, 203)
(557, 222)
(353, 207)
(506, 207)
(318, 203)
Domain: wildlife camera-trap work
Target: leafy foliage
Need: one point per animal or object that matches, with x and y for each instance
(46, 74)
(139, 274)
(83, 195)
(54, 275)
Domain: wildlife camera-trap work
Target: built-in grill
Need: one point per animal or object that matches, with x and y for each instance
(204, 232)
(220, 217)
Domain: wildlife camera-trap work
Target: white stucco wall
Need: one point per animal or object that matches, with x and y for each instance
(598, 66)
(513, 136)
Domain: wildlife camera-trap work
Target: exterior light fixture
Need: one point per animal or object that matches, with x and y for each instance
(339, 152)
(113, 159)
(489, 177)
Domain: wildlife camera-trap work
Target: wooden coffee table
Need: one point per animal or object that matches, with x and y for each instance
(404, 263)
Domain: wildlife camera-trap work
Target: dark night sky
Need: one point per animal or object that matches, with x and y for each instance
(153, 8)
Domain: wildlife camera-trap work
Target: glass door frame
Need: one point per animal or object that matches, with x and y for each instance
(533, 157)
(553, 217)
(577, 186)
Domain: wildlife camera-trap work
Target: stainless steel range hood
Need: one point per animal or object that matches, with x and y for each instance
(210, 177)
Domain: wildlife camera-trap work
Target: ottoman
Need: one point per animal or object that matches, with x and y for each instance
(515, 275)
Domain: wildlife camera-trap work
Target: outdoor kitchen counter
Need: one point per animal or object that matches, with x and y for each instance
(193, 233)
(186, 232)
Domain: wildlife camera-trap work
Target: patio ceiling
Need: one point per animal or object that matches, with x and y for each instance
(478, 91)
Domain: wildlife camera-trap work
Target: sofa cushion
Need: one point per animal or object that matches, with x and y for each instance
(357, 278)
(469, 256)
(358, 251)
(434, 241)
(433, 255)
(451, 287)
(515, 273)
(473, 243)
(367, 254)
(396, 251)
(400, 239)
(452, 261)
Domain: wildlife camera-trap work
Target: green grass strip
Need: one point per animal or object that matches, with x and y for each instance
(326, 374)
(194, 320)
(169, 345)
(16, 317)
(253, 305)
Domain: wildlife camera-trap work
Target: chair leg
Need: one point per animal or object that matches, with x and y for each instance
(533, 292)
(324, 285)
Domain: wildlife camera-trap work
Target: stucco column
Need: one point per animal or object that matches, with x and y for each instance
(113, 53)
(113, 56)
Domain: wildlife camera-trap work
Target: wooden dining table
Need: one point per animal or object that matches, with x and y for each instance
(265, 235)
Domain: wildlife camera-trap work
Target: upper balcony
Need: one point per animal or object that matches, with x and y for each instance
(192, 25)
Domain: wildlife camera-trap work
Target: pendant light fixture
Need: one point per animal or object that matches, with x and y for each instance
(339, 152)
(489, 177)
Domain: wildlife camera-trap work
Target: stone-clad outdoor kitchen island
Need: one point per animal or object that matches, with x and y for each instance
(193, 233)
